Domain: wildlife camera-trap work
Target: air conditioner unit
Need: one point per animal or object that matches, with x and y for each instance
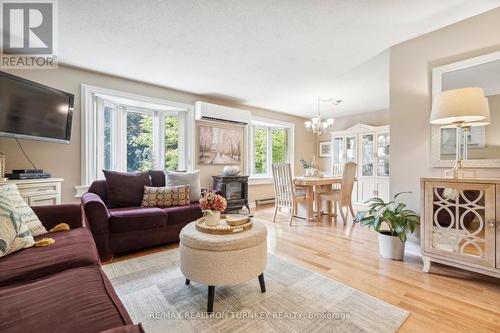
(214, 112)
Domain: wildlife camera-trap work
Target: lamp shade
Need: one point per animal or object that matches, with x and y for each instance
(459, 105)
(485, 121)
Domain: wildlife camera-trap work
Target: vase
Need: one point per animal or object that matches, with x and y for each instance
(391, 247)
(212, 217)
(311, 172)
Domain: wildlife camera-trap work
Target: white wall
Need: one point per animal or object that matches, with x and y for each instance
(65, 160)
(411, 63)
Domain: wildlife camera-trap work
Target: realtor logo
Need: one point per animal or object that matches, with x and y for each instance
(28, 34)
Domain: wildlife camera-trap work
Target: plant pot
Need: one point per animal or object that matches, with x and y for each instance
(390, 247)
(311, 172)
(212, 217)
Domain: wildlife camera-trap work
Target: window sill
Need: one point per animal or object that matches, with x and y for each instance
(260, 180)
(81, 190)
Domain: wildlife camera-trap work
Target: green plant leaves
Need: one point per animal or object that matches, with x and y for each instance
(399, 220)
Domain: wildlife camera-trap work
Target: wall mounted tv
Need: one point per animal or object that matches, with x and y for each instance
(29, 110)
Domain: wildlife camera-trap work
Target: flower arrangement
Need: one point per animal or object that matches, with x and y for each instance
(212, 201)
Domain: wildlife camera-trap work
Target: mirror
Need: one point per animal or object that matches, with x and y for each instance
(483, 141)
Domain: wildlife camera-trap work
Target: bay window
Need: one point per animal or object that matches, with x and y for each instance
(133, 133)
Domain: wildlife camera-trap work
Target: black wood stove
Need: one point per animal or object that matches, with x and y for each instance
(234, 189)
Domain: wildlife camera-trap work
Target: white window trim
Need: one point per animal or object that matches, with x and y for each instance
(89, 137)
(256, 179)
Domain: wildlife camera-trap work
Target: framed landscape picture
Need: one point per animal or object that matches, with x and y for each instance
(325, 149)
(219, 145)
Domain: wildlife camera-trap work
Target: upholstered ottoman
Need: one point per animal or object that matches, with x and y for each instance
(219, 260)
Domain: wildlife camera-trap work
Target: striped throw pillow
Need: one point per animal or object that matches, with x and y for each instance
(27, 214)
(14, 233)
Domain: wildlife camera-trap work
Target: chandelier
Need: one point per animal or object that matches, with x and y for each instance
(317, 124)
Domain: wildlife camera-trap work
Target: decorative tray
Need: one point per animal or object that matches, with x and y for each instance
(223, 228)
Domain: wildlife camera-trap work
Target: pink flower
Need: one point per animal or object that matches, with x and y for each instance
(210, 200)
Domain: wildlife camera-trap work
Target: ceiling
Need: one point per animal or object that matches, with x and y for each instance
(275, 54)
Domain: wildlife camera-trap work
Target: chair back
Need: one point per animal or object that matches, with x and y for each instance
(348, 178)
(283, 184)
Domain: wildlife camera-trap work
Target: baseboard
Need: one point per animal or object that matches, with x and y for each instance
(413, 249)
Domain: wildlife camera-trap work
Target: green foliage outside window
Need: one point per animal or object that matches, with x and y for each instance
(171, 143)
(139, 141)
(280, 146)
(260, 142)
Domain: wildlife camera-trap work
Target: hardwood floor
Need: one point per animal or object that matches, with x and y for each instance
(445, 300)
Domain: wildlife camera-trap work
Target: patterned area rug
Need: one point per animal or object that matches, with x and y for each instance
(297, 300)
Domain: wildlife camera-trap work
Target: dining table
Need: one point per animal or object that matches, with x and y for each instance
(311, 186)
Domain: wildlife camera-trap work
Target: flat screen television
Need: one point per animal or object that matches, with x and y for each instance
(29, 110)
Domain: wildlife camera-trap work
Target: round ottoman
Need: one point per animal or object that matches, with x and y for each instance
(217, 260)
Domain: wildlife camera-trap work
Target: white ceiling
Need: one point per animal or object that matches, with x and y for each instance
(275, 54)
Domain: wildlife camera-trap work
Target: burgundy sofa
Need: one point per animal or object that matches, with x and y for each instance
(118, 230)
(61, 287)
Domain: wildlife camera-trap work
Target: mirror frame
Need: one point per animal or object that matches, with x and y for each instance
(437, 75)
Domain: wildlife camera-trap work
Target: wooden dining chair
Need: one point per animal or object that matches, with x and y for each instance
(342, 197)
(286, 195)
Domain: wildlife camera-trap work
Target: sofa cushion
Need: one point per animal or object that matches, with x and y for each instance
(191, 178)
(136, 218)
(183, 214)
(165, 196)
(157, 178)
(73, 248)
(22, 209)
(125, 189)
(76, 300)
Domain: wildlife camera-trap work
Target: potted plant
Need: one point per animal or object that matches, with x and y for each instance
(212, 205)
(394, 216)
(311, 168)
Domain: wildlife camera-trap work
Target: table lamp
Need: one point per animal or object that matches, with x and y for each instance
(461, 109)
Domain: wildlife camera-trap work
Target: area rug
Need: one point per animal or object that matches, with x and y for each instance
(297, 300)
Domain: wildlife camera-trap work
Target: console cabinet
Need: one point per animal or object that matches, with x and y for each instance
(459, 223)
(39, 192)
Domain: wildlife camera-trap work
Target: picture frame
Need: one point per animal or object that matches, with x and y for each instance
(219, 145)
(325, 149)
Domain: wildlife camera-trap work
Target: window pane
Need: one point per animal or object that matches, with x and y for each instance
(139, 141)
(260, 150)
(171, 143)
(280, 146)
(108, 134)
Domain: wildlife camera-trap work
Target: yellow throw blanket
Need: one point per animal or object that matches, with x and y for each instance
(49, 241)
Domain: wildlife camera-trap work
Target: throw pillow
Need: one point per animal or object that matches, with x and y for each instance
(165, 196)
(14, 233)
(25, 212)
(125, 189)
(186, 178)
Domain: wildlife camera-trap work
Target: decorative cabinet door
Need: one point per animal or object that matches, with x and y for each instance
(351, 149)
(460, 221)
(367, 154)
(338, 156)
(383, 143)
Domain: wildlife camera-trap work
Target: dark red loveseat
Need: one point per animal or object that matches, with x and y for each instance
(61, 287)
(118, 230)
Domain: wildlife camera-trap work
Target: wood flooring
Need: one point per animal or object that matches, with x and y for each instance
(445, 300)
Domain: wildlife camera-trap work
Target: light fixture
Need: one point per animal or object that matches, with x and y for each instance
(318, 125)
(461, 109)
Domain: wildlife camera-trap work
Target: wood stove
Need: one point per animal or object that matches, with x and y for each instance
(234, 189)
